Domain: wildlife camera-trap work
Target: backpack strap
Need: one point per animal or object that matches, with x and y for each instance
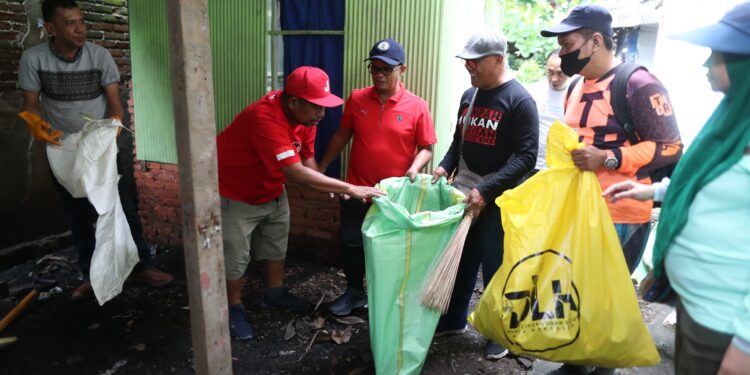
(572, 85)
(618, 98)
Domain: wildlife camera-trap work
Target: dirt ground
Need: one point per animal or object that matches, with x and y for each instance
(147, 331)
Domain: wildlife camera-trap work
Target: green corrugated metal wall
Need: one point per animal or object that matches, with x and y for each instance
(238, 35)
(238, 43)
(416, 25)
(152, 85)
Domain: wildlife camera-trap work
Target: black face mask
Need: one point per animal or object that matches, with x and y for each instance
(571, 65)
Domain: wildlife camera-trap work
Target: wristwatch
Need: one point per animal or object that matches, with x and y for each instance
(611, 161)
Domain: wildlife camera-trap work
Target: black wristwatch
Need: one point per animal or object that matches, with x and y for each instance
(611, 161)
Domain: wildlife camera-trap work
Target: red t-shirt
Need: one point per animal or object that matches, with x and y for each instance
(386, 136)
(255, 146)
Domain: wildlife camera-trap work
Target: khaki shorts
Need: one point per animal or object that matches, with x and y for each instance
(261, 230)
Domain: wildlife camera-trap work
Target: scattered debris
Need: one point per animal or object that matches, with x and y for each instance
(319, 322)
(128, 314)
(114, 368)
(349, 320)
(6, 341)
(322, 297)
(671, 319)
(52, 292)
(342, 337)
(286, 352)
(289, 332)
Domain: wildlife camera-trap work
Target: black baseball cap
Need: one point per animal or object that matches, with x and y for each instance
(388, 51)
(730, 35)
(594, 17)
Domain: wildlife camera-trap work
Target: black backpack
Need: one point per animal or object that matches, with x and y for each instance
(619, 103)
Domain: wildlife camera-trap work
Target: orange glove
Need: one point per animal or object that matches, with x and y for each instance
(39, 128)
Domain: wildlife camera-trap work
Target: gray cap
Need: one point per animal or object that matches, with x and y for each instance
(483, 44)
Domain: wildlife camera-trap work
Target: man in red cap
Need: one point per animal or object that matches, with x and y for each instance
(270, 141)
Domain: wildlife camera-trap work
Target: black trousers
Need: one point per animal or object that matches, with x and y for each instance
(353, 213)
(483, 246)
(698, 350)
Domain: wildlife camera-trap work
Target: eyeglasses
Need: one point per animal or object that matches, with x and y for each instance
(385, 70)
(471, 63)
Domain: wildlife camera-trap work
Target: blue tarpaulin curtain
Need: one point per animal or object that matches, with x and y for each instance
(322, 51)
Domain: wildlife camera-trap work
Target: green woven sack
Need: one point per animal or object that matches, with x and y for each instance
(404, 234)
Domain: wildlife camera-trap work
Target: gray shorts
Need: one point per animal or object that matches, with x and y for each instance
(261, 230)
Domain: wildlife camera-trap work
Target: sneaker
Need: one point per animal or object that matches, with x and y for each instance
(450, 331)
(84, 291)
(350, 300)
(285, 301)
(567, 369)
(153, 277)
(239, 327)
(493, 351)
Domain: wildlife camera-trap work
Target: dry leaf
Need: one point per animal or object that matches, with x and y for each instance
(349, 320)
(289, 332)
(342, 337)
(139, 347)
(319, 322)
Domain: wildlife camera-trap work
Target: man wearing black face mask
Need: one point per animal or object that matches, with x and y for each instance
(585, 39)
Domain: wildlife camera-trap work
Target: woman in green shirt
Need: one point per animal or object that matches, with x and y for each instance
(703, 239)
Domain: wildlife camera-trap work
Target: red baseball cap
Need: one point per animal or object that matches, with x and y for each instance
(311, 84)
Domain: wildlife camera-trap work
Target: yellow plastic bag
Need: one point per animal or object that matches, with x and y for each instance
(563, 292)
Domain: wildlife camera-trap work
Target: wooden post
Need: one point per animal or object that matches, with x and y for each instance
(192, 89)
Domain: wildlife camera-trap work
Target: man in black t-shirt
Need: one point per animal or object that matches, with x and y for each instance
(494, 147)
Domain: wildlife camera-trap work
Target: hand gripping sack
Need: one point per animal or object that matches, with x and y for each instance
(404, 234)
(563, 292)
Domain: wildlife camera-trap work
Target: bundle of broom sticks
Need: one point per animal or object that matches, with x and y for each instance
(436, 293)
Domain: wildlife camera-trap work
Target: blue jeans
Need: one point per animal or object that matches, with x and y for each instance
(484, 244)
(633, 238)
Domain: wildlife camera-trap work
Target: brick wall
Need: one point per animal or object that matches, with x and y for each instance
(159, 202)
(314, 231)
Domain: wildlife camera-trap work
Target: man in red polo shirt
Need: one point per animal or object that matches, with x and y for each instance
(393, 136)
(270, 141)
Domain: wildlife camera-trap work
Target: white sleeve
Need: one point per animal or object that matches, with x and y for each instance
(660, 189)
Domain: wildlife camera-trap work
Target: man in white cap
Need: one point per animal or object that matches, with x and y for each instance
(494, 147)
